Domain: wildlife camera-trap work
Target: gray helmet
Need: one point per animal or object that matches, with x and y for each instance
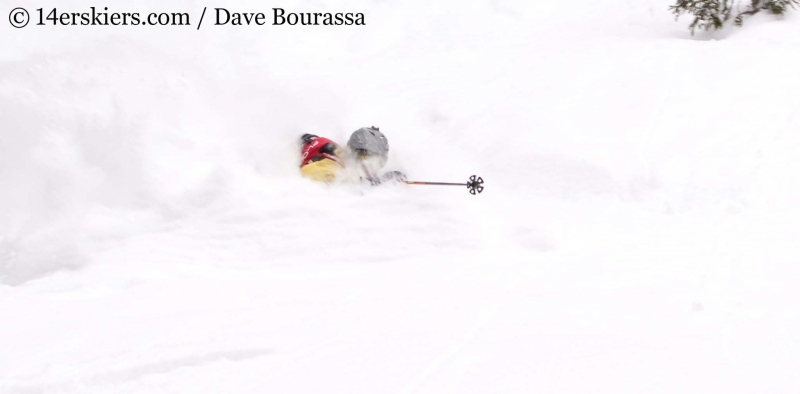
(369, 141)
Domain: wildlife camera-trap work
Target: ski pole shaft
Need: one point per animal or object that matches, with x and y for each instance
(435, 183)
(475, 184)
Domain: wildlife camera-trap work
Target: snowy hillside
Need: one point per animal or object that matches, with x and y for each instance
(638, 232)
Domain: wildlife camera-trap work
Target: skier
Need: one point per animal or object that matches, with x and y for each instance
(365, 155)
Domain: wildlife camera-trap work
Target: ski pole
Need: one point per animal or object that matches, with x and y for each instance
(474, 185)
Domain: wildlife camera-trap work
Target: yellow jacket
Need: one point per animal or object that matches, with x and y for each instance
(324, 170)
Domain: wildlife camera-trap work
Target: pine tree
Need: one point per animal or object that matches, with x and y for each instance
(714, 13)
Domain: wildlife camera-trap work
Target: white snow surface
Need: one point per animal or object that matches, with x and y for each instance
(638, 232)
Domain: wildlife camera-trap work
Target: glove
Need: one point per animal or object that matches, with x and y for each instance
(390, 176)
(306, 138)
(393, 176)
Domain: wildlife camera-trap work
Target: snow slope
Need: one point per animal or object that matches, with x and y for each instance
(637, 233)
